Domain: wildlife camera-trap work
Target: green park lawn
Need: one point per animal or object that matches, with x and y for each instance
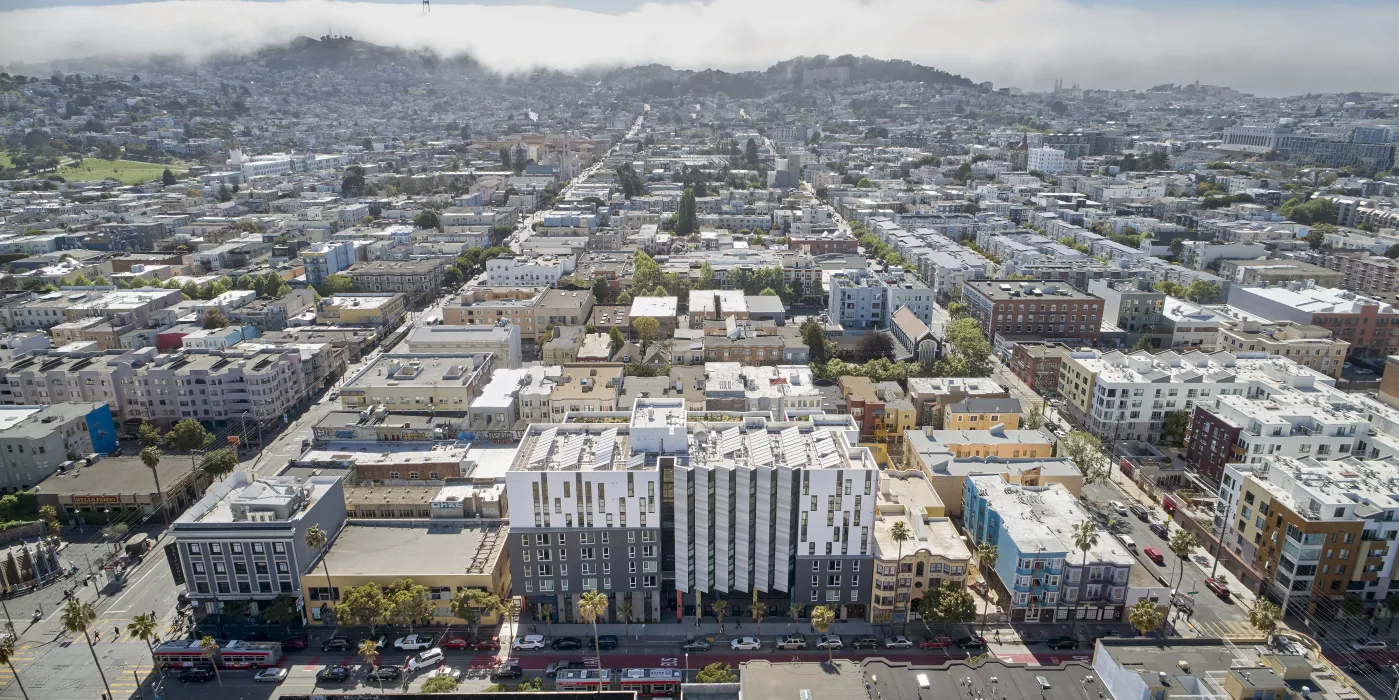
(130, 172)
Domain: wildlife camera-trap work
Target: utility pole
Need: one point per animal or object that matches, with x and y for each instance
(1219, 539)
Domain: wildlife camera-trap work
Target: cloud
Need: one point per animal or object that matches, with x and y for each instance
(1269, 49)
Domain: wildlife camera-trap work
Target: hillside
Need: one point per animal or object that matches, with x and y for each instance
(866, 68)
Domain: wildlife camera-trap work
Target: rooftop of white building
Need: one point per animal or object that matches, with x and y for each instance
(1043, 517)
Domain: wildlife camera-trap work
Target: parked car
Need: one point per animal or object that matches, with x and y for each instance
(898, 642)
(333, 674)
(554, 668)
(1219, 587)
(746, 644)
(566, 644)
(509, 669)
(1155, 555)
(1369, 645)
(336, 644)
(791, 641)
(270, 675)
(865, 643)
(455, 643)
(934, 642)
(1061, 643)
(386, 673)
(529, 641)
(485, 644)
(696, 644)
(1119, 507)
(973, 642)
(294, 644)
(424, 659)
(448, 671)
(414, 642)
(603, 641)
(199, 674)
(1140, 511)
(829, 641)
(380, 641)
(1159, 529)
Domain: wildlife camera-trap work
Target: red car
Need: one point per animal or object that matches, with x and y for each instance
(492, 644)
(1155, 555)
(1220, 588)
(294, 644)
(934, 642)
(454, 643)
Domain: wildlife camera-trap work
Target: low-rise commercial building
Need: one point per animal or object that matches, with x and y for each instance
(419, 382)
(245, 541)
(383, 311)
(502, 340)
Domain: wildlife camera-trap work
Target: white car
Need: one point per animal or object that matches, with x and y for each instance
(424, 659)
(1369, 645)
(413, 642)
(270, 675)
(1119, 507)
(746, 644)
(453, 673)
(529, 641)
(899, 642)
(829, 641)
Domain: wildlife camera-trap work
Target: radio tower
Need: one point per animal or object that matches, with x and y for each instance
(427, 6)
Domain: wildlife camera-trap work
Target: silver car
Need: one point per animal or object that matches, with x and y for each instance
(270, 675)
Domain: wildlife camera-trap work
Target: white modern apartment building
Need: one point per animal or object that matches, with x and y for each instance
(527, 271)
(1045, 160)
(704, 510)
(1126, 397)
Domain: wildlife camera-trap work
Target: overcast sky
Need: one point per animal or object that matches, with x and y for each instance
(1267, 47)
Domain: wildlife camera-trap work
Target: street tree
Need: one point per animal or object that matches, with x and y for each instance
(209, 647)
(315, 538)
(592, 606)
(717, 672)
(78, 617)
(363, 605)
(1265, 617)
(757, 609)
(901, 534)
(426, 219)
(1145, 617)
(647, 329)
(1181, 544)
(1086, 453)
(150, 456)
(720, 608)
(473, 604)
(148, 435)
(873, 346)
(409, 603)
(443, 684)
(188, 435)
(219, 463)
(7, 653)
(822, 618)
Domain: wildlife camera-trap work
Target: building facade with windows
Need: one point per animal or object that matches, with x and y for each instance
(245, 541)
(667, 514)
(1041, 573)
(1034, 309)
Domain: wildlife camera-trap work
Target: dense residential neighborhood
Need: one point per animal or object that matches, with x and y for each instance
(350, 366)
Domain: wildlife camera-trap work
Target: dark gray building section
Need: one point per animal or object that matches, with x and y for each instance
(554, 566)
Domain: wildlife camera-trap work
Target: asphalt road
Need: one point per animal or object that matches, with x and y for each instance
(1213, 617)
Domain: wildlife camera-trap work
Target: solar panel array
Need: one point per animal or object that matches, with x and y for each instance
(543, 445)
(603, 447)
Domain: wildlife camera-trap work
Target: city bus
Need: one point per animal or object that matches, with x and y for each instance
(235, 654)
(591, 680)
(652, 681)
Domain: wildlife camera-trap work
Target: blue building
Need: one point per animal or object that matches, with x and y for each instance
(1041, 575)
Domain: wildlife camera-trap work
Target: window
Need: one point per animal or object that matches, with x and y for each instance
(279, 548)
(236, 548)
(194, 548)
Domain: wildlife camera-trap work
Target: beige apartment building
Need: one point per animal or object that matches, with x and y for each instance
(1307, 345)
(419, 382)
(215, 388)
(935, 556)
(587, 387)
(490, 305)
(419, 280)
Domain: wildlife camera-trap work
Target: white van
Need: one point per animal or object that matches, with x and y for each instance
(1130, 543)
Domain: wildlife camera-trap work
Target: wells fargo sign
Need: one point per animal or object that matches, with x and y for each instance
(97, 499)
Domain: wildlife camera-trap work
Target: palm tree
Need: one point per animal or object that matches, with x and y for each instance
(7, 651)
(591, 607)
(210, 648)
(1182, 543)
(1391, 605)
(369, 651)
(757, 609)
(720, 608)
(795, 610)
(1265, 617)
(151, 457)
(986, 555)
(144, 628)
(78, 617)
(624, 612)
(1085, 538)
(822, 618)
(901, 534)
(315, 538)
(546, 611)
(1145, 616)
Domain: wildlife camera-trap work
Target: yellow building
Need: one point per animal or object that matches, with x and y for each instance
(996, 442)
(446, 557)
(947, 466)
(982, 414)
(371, 310)
(933, 555)
(1076, 381)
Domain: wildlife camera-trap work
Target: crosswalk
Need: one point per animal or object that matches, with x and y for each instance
(24, 653)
